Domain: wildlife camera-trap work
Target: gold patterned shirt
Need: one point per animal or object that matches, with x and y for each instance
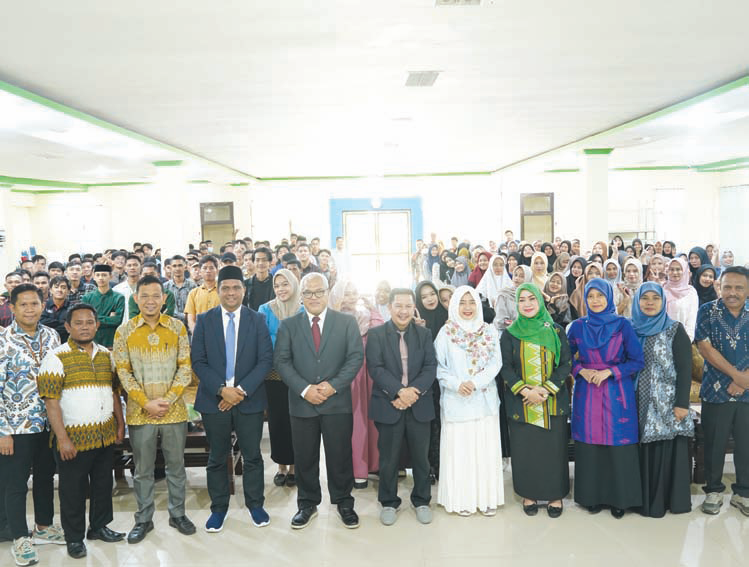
(84, 384)
(153, 364)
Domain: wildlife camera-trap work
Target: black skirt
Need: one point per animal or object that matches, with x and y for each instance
(607, 476)
(540, 468)
(279, 423)
(666, 477)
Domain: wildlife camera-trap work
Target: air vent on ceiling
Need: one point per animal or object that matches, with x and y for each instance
(458, 2)
(421, 78)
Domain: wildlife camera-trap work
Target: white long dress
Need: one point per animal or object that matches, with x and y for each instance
(470, 447)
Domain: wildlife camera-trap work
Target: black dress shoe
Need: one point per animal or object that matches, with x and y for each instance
(183, 525)
(76, 549)
(554, 511)
(349, 518)
(139, 531)
(530, 509)
(594, 509)
(303, 516)
(618, 513)
(105, 534)
(279, 479)
(290, 480)
(361, 484)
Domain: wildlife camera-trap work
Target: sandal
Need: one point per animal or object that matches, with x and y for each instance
(280, 478)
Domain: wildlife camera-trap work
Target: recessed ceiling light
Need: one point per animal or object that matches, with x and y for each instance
(422, 78)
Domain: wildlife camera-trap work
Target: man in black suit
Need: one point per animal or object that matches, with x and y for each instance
(318, 354)
(403, 367)
(231, 355)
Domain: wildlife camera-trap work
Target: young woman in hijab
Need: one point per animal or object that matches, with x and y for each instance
(526, 253)
(575, 269)
(669, 249)
(561, 263)
(682, 302)
(658, 246)
(565, 246)
(705, 284)
(505, 307)
(513, 261)
(656, 271)
(536, 364)
(612, 273)
(494, 280)
(344, 297)
(556, 300)
(663, 405)
(551, 256)
(618, 241)
(726, 260)
(465, 253)
(468, 361)
(445, 293)
(577, 298)
(447, 266)
(596, 259)
(432, 262)
(607, 357)
(433, 315)
(602, 249)
(482, 265)
(538, 266)
(287, 303)
(697, 257)
(632, 282)
(460, 275)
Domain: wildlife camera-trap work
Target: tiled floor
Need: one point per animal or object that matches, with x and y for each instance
(509, 538)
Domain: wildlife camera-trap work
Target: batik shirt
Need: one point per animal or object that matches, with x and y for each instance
(84, 384)
(729, 335)
(21, 408)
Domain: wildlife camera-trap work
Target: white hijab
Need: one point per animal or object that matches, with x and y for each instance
(470, 326)
(491, 284)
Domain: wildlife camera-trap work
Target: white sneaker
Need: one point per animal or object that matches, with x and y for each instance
(740, 502)
(712, 503)
(424, 514)
(388, 516)
(50, 534)
(23, 552)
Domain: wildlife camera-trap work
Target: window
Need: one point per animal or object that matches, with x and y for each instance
(217, 222)
(537, 217)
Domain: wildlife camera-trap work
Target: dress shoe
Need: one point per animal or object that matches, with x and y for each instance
(76, 549)
(105, 534)
(361, 483)
(618, 513)
(554, 511)
(183, 525)
(302, 518)
(594, 509)
(530, 509)
(349, 518)
(291, 480)
(139, 532)
(280, 478)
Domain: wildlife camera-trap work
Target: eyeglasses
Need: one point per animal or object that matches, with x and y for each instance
(310, 294)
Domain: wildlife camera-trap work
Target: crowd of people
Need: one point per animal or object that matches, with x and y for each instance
(493, 355)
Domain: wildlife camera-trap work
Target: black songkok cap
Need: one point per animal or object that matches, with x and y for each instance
(230, 273)
(102, 268)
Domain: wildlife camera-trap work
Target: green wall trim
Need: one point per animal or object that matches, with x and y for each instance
(74, 113)
(47, 191)
(598, 151)
(590, 140)
(118, 184)
(168, 163)
(724, 163)
(734, 168)
(655, 168)
(385, 176)
(199, 181)
(562, 170)
(6, 185)
(238, 184)
(41, 182)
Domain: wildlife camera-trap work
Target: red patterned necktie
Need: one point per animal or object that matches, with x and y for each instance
(316, 333)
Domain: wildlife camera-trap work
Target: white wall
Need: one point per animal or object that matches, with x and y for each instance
(475, 207)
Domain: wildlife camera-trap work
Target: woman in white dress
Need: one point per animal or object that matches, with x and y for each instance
(469, 359)
(682, 302)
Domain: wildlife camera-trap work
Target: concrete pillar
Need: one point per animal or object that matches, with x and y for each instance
(596, 196)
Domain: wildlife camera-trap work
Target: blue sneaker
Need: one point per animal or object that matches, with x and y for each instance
(260, 517)
(215, 522)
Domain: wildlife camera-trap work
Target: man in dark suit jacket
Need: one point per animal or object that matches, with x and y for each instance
(318, 354)
(231, 355)
(402, 405)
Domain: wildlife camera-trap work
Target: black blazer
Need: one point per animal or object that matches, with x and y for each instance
(254, 359)
(386, 369)
(512, 373)
(338, 362)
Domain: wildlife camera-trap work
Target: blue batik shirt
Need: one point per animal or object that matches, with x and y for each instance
(21, 408)
(729, 335)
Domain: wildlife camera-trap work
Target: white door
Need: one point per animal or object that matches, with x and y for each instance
(378, 243)
(733, 202)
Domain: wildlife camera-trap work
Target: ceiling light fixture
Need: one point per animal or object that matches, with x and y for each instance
(422, 78)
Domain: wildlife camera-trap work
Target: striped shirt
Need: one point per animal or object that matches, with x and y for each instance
(84, 385)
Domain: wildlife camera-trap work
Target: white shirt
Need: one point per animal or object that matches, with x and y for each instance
(225, 321)
(124, 288)
(320, 323)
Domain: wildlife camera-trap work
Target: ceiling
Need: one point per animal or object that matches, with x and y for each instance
(298, 88)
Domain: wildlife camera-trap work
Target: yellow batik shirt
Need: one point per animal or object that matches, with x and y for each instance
(84, 385)
(152, 364)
